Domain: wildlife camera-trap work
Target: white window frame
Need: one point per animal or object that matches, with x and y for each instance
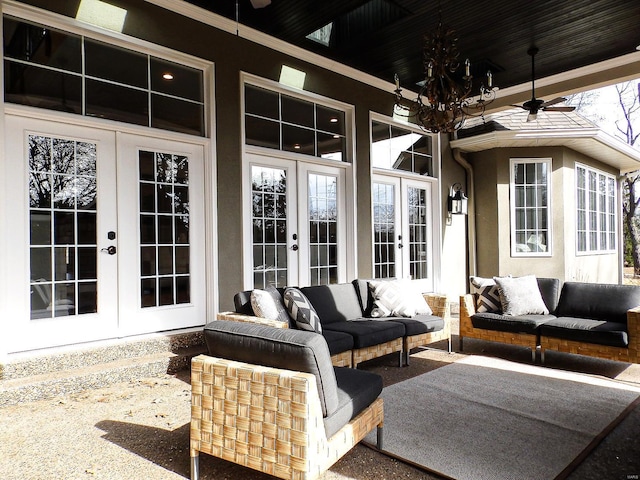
(513, 207)
(610, 198)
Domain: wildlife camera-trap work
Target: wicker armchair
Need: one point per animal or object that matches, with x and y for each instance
(267, 419)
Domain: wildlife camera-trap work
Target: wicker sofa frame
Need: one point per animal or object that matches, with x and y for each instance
(630, 353)
(351, 358)
(267, 419)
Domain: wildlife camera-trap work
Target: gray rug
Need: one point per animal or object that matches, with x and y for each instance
(482, 418)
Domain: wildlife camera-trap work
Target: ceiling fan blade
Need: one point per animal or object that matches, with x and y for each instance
(558, 109)
(554, 101)
(260, 3)
(520, 106)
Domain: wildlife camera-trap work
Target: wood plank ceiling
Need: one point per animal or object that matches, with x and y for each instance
(383, 37)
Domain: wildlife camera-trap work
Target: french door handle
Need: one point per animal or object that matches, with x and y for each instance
(294, 247)
(111, 250)
(400, 245)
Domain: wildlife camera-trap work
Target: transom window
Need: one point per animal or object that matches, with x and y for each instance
(283, 122)
(397, 148)
(530, 210)
(56, 70)
(596, 210)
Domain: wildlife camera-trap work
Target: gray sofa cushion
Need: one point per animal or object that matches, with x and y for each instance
(508, 323)
(419, 324)
(597, 301)
(587, 331)
(279, 348)
(367, 332)
(550, 290)
(338, 342)
(334, 303)
(357, 389)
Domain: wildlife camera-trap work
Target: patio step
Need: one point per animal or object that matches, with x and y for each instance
(48, 376)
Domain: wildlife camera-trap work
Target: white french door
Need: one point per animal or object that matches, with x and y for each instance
(298, 223)
(403, 226)
(161, 279)
(81, 203)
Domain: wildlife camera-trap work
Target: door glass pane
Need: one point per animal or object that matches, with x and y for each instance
(323, 217)
(417, 205)
(384, 230)
(164, 229)
(269, 238)
(62, 188)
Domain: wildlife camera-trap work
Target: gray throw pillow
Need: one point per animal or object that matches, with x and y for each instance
(301, 310)
(521, 296)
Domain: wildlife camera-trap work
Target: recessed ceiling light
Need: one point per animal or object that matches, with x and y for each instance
(297, 146)
(336, 136)
(167, 76)
(333, 120)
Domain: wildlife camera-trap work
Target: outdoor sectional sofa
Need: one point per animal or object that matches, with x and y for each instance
(270, 399)
(352, 335)
(595, 319)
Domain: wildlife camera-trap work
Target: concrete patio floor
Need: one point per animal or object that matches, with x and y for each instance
(140, 430)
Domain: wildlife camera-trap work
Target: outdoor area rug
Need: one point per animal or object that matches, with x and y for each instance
(483, 418)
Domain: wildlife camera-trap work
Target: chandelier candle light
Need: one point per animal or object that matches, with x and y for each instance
(444, 99)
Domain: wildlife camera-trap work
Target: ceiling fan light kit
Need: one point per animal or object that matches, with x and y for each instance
(535, 105)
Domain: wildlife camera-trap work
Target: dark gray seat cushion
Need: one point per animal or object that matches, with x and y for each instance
(338, 342)
(509, 323)
(550, 289)
(284, 348)
(357, 389)
(334, 303)
(419, 324)
(597, 301)
(587, 331)
(366, 332)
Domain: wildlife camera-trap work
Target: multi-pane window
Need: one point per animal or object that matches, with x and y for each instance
(323, 229)
(396, 148)
(417, 241)
(62, 211)
(269, 220)
(384, 230)
(283, 122)
(164, 229)
(596, 211)
(530, 209)
(56, 70)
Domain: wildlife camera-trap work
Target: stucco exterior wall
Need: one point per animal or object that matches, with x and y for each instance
(493, 218)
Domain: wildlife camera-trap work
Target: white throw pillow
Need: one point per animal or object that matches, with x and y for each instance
(397, 298)
(268, 304)
(521, 296)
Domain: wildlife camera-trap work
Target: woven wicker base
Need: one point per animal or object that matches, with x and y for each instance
(375, 351)
(342, 359)
(239, 317)
(590, 349)
(267, 419)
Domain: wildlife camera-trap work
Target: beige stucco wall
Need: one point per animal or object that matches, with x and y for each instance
(492, 179)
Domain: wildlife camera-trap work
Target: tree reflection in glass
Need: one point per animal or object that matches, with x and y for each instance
(62, 200)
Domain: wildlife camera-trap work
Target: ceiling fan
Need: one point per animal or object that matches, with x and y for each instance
(260, 3)
(535, 104)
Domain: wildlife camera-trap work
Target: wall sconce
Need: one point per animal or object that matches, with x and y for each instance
(457, 201)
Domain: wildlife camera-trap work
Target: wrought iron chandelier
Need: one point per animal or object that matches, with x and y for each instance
(444, 99)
